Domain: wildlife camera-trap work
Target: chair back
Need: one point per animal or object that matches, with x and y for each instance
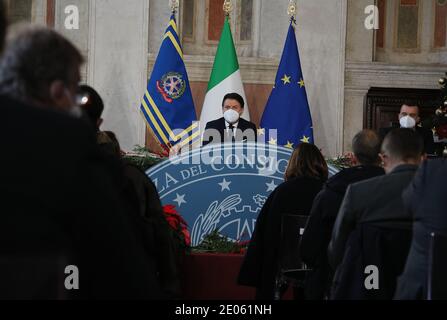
(437, 266)
(371, 245)
(291, 269)
(292, 229)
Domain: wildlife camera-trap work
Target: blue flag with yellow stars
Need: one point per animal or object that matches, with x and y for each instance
(287, 109)
(167, 104)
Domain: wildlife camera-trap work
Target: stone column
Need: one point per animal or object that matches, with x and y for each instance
(359, 48)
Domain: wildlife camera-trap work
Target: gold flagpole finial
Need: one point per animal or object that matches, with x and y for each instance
(174, 4)
(227, 7)
(291, 10)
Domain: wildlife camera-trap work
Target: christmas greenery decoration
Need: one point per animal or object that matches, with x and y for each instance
(217, 243)
(342, 162)
(439, 120)
(143, 158)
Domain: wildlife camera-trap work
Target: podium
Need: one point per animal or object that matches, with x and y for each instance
(210, 276)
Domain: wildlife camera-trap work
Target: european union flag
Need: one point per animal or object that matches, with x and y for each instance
(167, 105)
(287, 109)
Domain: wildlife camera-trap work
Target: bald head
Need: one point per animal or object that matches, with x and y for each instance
(366, 147)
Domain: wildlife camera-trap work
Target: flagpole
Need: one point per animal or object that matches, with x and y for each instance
(227, 8)
(291, 11)
(174, 4)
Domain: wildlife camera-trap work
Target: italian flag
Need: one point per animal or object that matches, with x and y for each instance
(225, 78)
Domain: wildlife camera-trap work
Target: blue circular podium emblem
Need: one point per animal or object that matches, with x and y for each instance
(221, 187)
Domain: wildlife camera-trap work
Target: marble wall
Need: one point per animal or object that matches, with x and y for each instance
(118, 63)
(321, 34)
(363, 71)
(120, 40)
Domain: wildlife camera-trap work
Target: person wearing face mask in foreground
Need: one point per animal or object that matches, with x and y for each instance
(409, 119)
(61, 202)
(231, 127)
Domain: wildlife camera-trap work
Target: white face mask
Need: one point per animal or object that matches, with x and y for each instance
(407, 122)
(231, 116)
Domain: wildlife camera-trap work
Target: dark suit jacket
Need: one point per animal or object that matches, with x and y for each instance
(426, 134)
(377, 201)
(261, 260)
(425, 198)
(317, 234)
(369, 245)
(59, 197)
(246, 131)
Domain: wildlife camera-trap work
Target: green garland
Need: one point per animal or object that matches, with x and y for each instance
(143, 158)
(217, 243)
(340, 162)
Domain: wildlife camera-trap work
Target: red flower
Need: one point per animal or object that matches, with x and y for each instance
(441, 131)
(177, 223)
(187, 237)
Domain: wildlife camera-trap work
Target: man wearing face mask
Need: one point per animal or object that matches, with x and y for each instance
(409, 119)
(231, 127)
(60, 202)
(41, 68)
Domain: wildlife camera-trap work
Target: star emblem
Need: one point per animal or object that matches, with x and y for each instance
(261, 132)
(273, 142)
(180, 200)
(225, 185)
(289, 145)
(301, 83)
(305, 139)
(286, 79)
(271, 186)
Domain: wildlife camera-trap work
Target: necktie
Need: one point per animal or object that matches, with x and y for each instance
(231, 131)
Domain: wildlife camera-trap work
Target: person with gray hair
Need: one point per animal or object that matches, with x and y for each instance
(41, 68)
(60, 206)
(316, 237)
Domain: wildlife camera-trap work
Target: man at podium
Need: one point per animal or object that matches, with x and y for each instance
(231, 127)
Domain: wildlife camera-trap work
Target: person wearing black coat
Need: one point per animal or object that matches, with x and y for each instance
(317, 234)
(305, 175)
(378, 201)
(60, 201)
(425, 198)
(142, 200)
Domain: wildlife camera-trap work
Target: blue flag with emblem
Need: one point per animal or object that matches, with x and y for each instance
(167, 104)
(287, 109)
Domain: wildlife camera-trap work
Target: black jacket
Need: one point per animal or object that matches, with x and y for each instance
(425, 198)
(59, 197)
(246, 131)
(260, 264)
(426, 134)
(152, 228)
(377, 200)
(317, 234)
(370, 245)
